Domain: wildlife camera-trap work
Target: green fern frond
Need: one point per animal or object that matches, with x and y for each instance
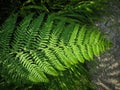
(73, 36)
(43, 64)
(62, 57)
(45, 31)
(35, 72)
(81, 35)
(53, 59)
(6, 31)
(78, 53)
(45, 46)
(18, 40)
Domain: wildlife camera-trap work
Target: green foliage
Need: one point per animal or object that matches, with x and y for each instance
(48, 49)
(87, 7)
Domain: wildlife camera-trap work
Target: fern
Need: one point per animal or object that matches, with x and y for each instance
(42, 47)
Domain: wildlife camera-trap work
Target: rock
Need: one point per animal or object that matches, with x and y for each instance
(106, 71)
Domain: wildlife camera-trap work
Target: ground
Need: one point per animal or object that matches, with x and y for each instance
(106, 71)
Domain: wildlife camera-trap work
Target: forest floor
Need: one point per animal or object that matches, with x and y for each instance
(106, 71)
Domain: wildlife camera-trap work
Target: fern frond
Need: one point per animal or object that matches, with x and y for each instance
(45, 31)
(46, 46)
(33, 29)
(81, 35)
(53, 59)
(56, 34)
(84, 51)
(65, 35)
(42, 63)
(74, 34)
(78, 53)
(19, 41)
(69, 53)
(6, 32)
(13, 70)
(90, 51)
(62, 57)
(35, 74)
